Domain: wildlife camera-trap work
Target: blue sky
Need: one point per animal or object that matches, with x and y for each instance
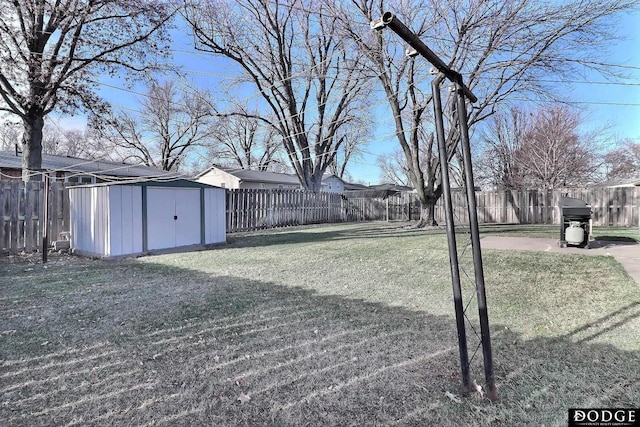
(610, 105)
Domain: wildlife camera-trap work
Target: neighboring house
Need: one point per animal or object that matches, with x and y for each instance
(618, 183)
(335, 184)
(378, 191)
(397, 188)
(80, 171)
(332, 184)
(252, 179)
(349, 186)
(247, 179)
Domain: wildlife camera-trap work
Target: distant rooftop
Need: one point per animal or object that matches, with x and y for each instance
(50, 162)
(623, 182)
(261, 176)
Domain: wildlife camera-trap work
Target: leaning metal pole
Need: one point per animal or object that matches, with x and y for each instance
(451, 234)
(475, 243)
(462, 92)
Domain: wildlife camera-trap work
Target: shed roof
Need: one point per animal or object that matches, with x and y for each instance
(177, 183)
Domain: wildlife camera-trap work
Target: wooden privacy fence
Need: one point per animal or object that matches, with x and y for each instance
(610, 206)
(251, 209)
(21, 213)
(255, 209)
(21, 209)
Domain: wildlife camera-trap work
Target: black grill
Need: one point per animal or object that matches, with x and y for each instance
(574, 213)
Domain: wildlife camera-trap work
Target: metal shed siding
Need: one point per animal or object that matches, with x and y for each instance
(215, 215)
(106, 221)
(116, 220)
(125, 225)
(90, 209)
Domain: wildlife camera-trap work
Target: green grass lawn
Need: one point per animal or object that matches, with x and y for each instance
(328, 325)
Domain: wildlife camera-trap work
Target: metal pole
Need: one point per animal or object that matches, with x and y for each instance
(389, 19)
(451, 235)
(45, 220)
(475, 243)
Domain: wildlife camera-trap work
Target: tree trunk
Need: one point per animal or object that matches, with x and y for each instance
(32, 147)
(427, 215)
(428, 200)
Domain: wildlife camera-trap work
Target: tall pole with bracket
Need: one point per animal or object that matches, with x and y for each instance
(462, 94)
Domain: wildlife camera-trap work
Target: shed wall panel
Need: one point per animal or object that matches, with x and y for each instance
(215, 218)
(89, 224)
(100, 226)
(126, 220)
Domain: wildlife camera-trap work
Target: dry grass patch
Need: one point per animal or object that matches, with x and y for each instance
(339, 325)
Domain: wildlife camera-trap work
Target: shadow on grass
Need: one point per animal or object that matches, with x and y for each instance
(617, 240)
(220, 350)
(537, 229)
(607, 323)
(295, 235)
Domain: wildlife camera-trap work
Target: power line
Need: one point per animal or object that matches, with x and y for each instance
(256, 94)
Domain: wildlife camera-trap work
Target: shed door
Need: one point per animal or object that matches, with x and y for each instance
(173, 217)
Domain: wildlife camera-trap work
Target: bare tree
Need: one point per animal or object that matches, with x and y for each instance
(623, 161)
(355, 136)
(553, 154)
(51, 52)
(501, 139)
(394, 168)
(169, 126)
(501, 48)
(245, 142)
(9, 134)
(72, 142)
(538, 149)
(307, 76)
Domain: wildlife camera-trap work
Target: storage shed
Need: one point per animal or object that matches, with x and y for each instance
(109, 220)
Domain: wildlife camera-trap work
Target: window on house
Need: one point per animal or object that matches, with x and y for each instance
(80, 179)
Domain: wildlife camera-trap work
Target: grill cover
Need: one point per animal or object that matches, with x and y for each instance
(575, 208)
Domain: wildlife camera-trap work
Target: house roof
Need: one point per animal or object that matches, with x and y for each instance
(377, 191)
(248, 175)
(391, 187)
(332, 175)
(50, 162)
(624, 182)
(355, 186)
(261, 176)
